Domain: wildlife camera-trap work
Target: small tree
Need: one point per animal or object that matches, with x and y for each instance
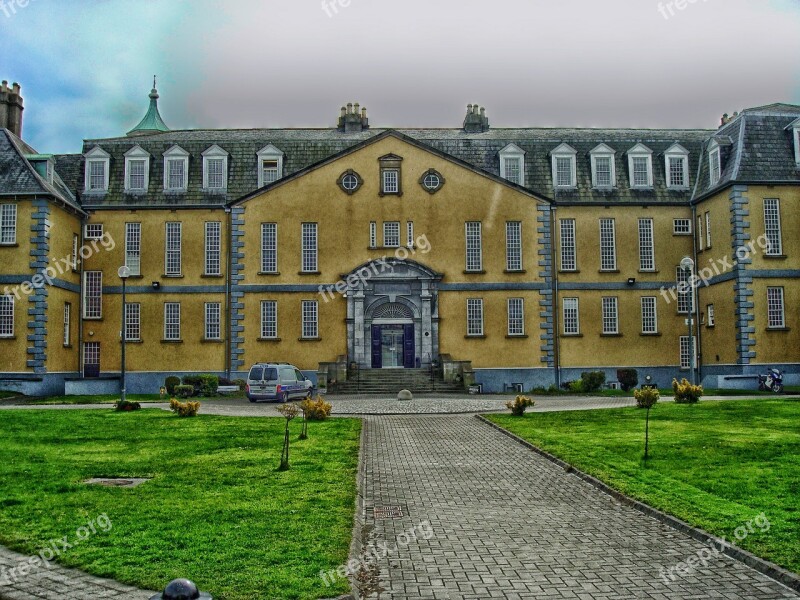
(592, 381)
(628, 379)
(685, 392)
(519, 404)
(289, 412)
(646, 398)
(304, 428)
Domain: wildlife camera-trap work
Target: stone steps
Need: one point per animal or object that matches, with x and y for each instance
(391, 381)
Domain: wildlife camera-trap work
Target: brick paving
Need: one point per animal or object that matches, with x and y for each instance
(508, 523)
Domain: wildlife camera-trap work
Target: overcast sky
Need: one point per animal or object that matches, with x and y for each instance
(86, 66)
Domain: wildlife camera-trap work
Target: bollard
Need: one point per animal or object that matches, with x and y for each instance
(181, 589)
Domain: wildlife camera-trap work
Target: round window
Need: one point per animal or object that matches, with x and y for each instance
(431, 181)
(350, 182)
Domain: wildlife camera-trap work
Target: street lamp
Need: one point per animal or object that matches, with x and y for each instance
(124, 272)
(687, 264)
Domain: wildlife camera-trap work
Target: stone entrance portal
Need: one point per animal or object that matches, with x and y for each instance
(393, 315)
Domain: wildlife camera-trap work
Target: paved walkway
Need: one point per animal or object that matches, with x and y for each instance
(508, 523)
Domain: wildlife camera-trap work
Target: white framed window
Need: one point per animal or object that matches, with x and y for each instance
(513, 246)
(133, 322)
(701, 240)
(213, 248)
(137, 170)
(6, 316)
(610, 315)
(172, 248)
(570, 316)
(640, 166)
(676, 163)
(172, 321)
(8, 224)
(608, 245)
(649, 315)
(714, 164)
(796, 138)
(684, 290)
(213, 331)
(516, 316)
(176, 169)
(373, 234)
(93, 295)
(776, 318)
(93, 231)
(568, 250)
(74, 258)
(563, 164)
(512, 164)
(410, 234)
(474, 246)
(269, 247)
(391, 234)
(475, 316)
(269, 319)
(708, 229)
(310, 319)
(309, 248)
(687, 351)
(67, 323)
(133, 247)
(682, 227)
(96, 170)
(270, 165)
(215, 169)
(710, 316)
(391, 181)
(647, 260)
(604, 174)
(772, 226)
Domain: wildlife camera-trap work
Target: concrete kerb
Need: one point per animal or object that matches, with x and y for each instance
(764, 567)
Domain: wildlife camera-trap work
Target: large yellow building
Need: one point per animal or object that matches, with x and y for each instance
(513, 257)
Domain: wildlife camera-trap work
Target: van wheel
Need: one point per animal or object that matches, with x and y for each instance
(252, 400)
(283, 397)
(310, 394)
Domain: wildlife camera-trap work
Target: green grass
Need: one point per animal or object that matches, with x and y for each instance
(111, 398)
(217, 511)
(716, 465)
(7, 394)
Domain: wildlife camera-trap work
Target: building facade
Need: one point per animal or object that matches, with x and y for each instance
(517, 257)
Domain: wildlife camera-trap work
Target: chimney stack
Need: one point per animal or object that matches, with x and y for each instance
(11, 108)
(476, 120)
(353, 118)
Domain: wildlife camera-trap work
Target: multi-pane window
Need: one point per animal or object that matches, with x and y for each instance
(74, 258)
(708, 230)
(641, 171)
(373, 234)
(513, 246)
(610, 315)
(474, 246)
(772, 226)
(647, 261)
(133, 322)
(568, 252)
(516, 316)
(176, 173)
(212, 325)
(649, 316)
(682, 226)
(136, 174)
(93, 295)
(775, 309)
(475, 316)
(700, 239)
(564, 171)
(602, 172)
(391, 178)
(391, 234)
(216, 173)
(213, 247)
(269, 319)
(711, 318)
(269, 247)
(269, 171)
(309, 247)
(172, 321)
(714, 166)
(97, 175)
(677, 171)
(687, 346)
(67, 323)
(91, 354)
(6, 316)
(684, 290)
(133, 247)
(608, 245)
(94, 231)
(8, 224)
(410, 234)
(172, 260)
(310, 316)
(513, 169)
(571, 320)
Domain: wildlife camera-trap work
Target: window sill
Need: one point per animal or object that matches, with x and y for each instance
(208, 341)
(270, 339)
(475, 337)
(514, 271)
(688, 234)
(475, 272)
(382, 193)
(309, 272)
(571, 335)
(7, 245)
(175, 192)
(135, 276)
(777, 329)
(219, 191)
(132, 342)
(611, 335)
(390, 247)
(518, 336)
(645, 271)
(309, 339)
(95, 319)
(178, 276)
(171, 341)
(7, 337)
(775, 256)
(608, 271)
(269, 273)
(709, 326)
(656, 334)
(569, 270)
(67, 346)
(206, 276)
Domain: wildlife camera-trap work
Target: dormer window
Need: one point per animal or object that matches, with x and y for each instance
(564, 176)
(604, 172)
(512, 164)
(391, 180)
(43, 165)
(640, 166)
(215, 169)
(137, 169)
(270, 165)
(676, 163)
(714, 163)
(176, 170)
(794, 126)
(96, 170)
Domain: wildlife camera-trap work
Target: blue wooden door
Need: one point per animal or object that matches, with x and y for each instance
(408, 346)
(377, 361)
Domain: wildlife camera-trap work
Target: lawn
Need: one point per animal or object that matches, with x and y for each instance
(112, 398)
(716, 465)
(216, 511)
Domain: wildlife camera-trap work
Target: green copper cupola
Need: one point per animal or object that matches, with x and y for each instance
(152, 121)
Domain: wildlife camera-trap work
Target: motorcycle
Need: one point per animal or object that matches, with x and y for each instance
(771, 382)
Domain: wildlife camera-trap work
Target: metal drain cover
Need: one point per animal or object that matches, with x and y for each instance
(387, 512)
(126, 482)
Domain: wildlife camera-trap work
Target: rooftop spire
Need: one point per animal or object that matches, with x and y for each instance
(152, 121)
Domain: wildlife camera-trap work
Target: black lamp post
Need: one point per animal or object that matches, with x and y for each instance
(124, 272)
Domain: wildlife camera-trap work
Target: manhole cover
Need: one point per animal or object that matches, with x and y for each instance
(126, 482)
(387, 512)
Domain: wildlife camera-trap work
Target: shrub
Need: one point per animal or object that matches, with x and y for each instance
(208, 385)
(170, 383)
(628, 378)
(127, 405)
(240, 382)
(576, 386)
(566, 386)
(184, 391)
(194, 381)
(593, 381)
(184, 409)
(685, 392)
(316, 409)
(519, 404)
(646, 397)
